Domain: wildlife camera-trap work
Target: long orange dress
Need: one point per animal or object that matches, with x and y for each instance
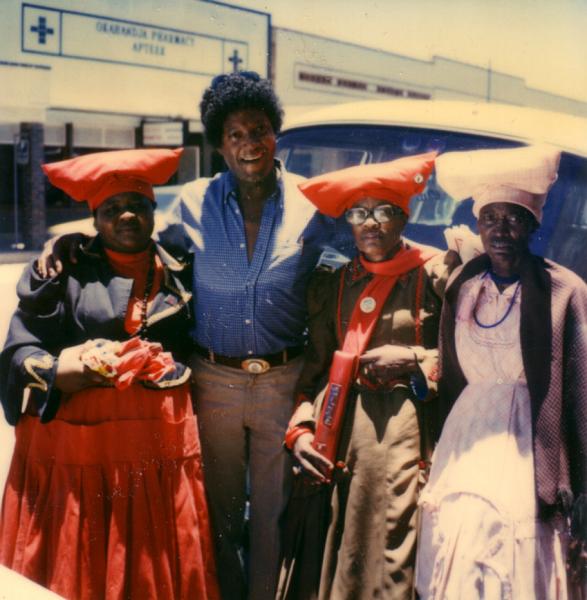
(106, 501)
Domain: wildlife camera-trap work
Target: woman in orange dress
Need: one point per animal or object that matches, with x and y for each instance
(105, 495)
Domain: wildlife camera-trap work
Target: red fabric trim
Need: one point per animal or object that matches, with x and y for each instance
(301, 397)
(361, 324)
(356, 270)
(418, 306)
(293, 434)
(386, 273)
(339, 307)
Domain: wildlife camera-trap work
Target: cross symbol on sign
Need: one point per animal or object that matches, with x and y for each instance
(235, 59)
(42, 29)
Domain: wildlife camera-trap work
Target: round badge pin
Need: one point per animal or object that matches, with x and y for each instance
(419, 178)
(368, 304)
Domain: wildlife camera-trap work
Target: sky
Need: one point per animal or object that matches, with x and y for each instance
(544, 42)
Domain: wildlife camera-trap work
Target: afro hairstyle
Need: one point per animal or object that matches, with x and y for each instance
(237, 91)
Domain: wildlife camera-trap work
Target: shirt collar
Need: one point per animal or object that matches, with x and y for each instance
(491, 288)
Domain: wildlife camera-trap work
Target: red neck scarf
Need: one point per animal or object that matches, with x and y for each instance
(136, 266)
(370, 303)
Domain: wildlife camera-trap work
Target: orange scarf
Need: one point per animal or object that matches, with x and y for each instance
(370, 303)
(136, 266)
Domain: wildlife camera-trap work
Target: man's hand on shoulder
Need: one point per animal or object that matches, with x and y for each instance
(58, 251)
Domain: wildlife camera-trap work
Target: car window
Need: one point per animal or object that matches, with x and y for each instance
(433, 206)
(309, 159)
(315, 150)
(164, 196)
(164, 200)
(311, 151)
(562, 236)
(567, 241)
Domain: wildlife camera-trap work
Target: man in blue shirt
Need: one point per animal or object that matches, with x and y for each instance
(255, 240)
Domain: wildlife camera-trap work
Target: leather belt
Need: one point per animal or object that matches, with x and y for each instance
(252, 364)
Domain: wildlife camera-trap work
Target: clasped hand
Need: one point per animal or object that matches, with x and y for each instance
(388, 362)
(311, 462)
(73, 375)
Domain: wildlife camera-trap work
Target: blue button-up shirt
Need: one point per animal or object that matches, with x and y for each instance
(252, 308)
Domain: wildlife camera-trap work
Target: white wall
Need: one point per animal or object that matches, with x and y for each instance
(309, 69)
(298, 54)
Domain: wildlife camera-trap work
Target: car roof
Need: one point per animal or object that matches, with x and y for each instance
(516, 123)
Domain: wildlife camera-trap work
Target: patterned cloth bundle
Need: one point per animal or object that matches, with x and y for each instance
(127, 362)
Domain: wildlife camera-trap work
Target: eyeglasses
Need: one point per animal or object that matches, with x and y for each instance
(220, 79)
(381, 214)
(489, 219)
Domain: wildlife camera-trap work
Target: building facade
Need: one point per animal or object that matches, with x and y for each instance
(97, 75)
(312, 70)
(101, 75)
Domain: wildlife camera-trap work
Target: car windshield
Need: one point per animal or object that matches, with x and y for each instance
(316, 150)
(311, 151)
(165, 195)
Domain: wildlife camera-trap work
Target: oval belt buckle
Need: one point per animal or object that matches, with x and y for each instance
(255, 366)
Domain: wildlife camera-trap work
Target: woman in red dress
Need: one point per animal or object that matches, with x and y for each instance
(105, 495)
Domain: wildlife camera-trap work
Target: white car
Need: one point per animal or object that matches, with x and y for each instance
(343, 135)
(164, 196)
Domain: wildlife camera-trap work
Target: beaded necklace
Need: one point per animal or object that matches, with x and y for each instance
(497, 279)
(142, 331)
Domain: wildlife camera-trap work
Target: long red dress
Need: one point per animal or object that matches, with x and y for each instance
(107, 499)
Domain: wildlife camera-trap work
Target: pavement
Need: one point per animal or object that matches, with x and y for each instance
(8, 257)
(16, 587)
(9, 274)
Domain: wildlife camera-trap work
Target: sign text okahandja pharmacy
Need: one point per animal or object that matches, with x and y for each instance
(79, 35)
